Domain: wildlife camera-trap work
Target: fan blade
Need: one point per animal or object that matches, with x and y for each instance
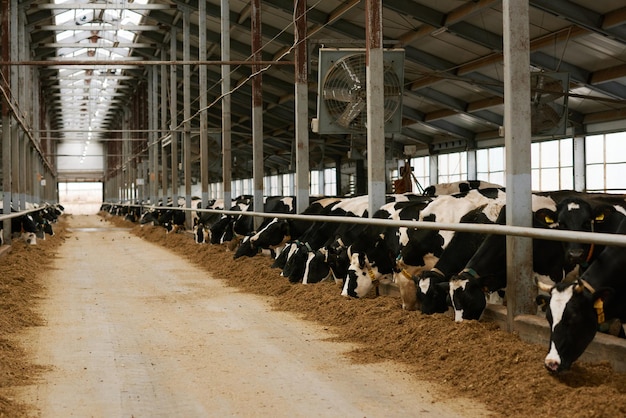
(546, 89)
(354, 75)
(351, 112)
(339, 94)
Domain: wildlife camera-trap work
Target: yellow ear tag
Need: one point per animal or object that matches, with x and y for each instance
(599, 305)
(600, 217)
(549, 220)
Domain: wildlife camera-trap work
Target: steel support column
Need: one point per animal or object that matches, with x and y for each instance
(187, 108)
(163, 126)
(7, 170)
(375, 102)
(226, 104)
(301, 108)
(517, 138)
(257, 111)
(174, 114)
(202, 76)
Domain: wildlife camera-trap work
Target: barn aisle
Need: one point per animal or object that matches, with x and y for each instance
(134, 331)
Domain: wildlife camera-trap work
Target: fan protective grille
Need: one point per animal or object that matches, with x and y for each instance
(342, 101)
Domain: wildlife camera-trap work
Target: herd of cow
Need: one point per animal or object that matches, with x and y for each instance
(581, 286)
(36, 223)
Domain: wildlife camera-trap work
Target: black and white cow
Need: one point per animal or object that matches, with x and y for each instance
(274, 233)
(173, 220)
(432, 285)
(321, 263)
(202, 221)
(223, 230)
(323, 250)
(459, 187)
(23, 226)
(425, 247)
(485, 272)
(373, 256)
(151, 215)
(315, 236)
(576, 310)
(411, 250)
(318, 235)
(588, 213)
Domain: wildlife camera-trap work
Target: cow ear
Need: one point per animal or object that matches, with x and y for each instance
(546, 217)
(542, 301)
(602, 213)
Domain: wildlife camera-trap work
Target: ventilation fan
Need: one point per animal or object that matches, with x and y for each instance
(549, 103)
(342, 91)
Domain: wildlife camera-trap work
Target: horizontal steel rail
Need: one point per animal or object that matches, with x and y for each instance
(540, 233)
(4, 216)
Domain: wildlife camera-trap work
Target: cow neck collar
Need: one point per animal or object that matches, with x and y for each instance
(372, 275)
(471, 272)
(475, 276)
(598, 304)
(591, 247)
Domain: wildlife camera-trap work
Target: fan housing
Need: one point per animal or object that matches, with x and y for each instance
(549, 103)
(342, 91)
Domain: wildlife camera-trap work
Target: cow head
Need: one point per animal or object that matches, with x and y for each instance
(326, 262)
(199, 231)
(296, 263)
(274, 234)
(221, 230)
(246, 248)
(573, 310)
(283, 255)
(362, 276)
(421, 247)
(576, 214)
(317, 266)
(467, 294)
(433, 292)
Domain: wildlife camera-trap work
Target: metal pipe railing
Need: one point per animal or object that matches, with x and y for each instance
(18, 214)
(540, 233)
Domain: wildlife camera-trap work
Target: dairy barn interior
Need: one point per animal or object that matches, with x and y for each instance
(141, 102)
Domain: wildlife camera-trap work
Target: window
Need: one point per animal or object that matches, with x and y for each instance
(452, 167)
(314, 182)
(606, 162)
(490, 165)
(552, 165)
(273, 186)
(330, 182)
(288, 185)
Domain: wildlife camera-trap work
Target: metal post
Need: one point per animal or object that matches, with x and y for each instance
(375, 101)
(257, 111)
(187, 108)
(153, 146)
(204, 136)
(517, 139)
(174, 114)
(301, 108)
(164, 155)
(579, 163)
(7, 169)
(226, 104)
